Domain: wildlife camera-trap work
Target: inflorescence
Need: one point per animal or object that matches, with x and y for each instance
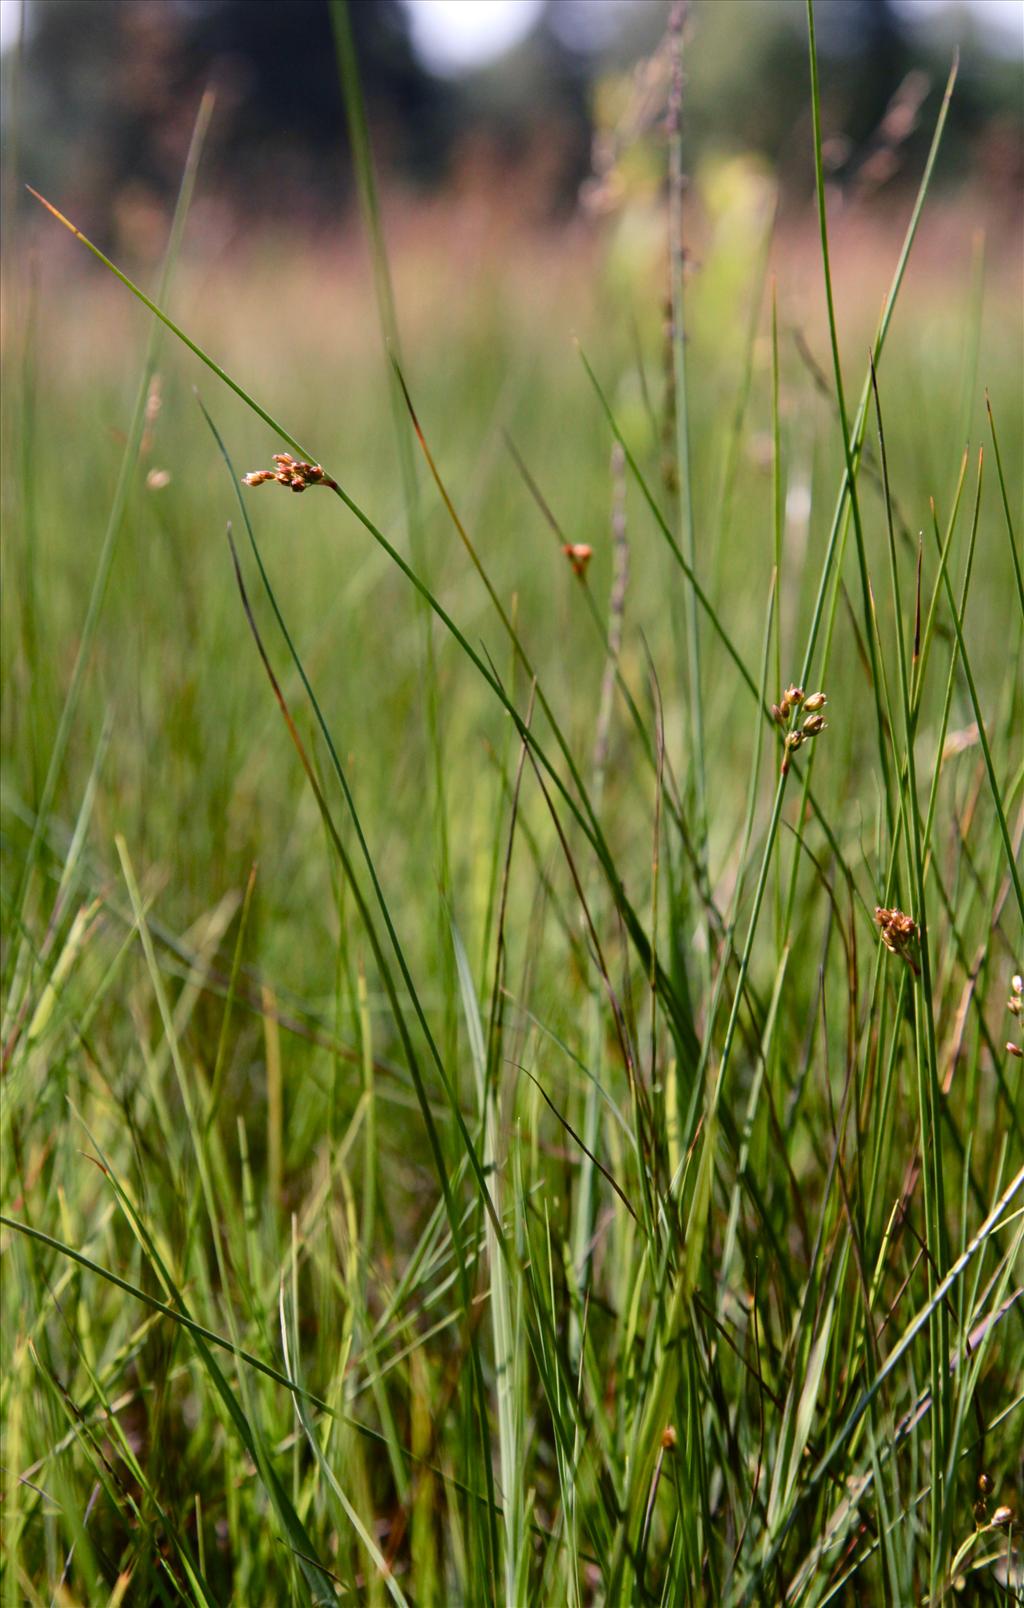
(292, 472)
(793, 704)
(579, 555)
(899, 932)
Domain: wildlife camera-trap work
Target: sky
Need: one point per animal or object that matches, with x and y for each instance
(455, 36)
(1002, 20)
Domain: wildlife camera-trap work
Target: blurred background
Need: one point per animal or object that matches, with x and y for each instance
(530, 103)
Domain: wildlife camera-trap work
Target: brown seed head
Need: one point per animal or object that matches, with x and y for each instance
(985, 1484)
(294, 473)
(669, 1438)
(898, 931)
(1015, 1050)
(1003, 1517)
(794, 740)
(579, 555)
(783, 713)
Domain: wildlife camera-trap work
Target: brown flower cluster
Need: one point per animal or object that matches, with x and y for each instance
(794, 703)
(899, 932)
(292, 472)
(1003, 1516)
(579, 555)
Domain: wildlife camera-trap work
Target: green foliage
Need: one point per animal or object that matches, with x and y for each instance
(474, 1128)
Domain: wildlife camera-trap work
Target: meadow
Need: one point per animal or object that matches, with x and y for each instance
(502, 1102)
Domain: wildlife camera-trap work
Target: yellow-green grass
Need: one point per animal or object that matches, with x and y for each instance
(471, 1248)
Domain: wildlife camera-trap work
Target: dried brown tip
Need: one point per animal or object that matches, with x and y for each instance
(668, 1438)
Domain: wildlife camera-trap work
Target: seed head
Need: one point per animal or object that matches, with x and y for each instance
(899, 931)
(294, 473)
(1015, 1050)
(784, 713)
(579, 555)
(669, 1437)
(1003, 1517)
(789, 701)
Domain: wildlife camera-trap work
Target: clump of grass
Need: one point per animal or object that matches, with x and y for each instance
(582, 1161)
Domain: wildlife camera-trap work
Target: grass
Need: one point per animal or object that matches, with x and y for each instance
(464, 1137)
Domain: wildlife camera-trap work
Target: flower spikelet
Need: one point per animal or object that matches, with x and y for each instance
(579, 555)
(294, 473)
(794, 703)
(899, 932)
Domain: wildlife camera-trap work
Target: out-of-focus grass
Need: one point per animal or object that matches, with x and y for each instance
(263, 1162)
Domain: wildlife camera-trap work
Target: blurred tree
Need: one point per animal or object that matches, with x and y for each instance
(111, 88)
